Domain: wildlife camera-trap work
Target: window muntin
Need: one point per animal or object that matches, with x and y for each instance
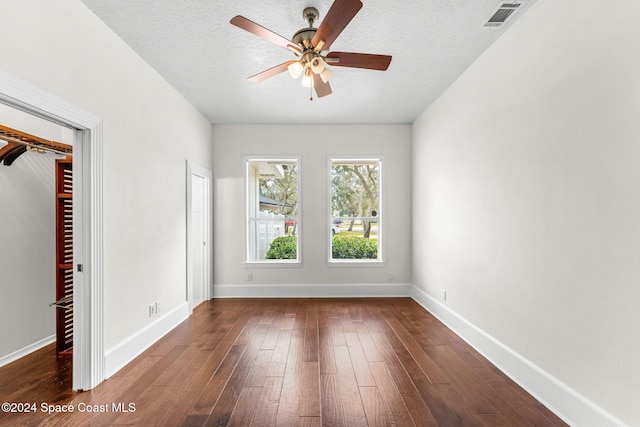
(355, 210)
(272, 218)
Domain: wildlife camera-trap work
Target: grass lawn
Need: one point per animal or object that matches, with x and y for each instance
(372, 236)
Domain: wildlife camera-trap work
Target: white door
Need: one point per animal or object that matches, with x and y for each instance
(198, 239)
(198, 235)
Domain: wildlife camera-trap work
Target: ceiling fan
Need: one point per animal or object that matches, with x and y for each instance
(311, 47)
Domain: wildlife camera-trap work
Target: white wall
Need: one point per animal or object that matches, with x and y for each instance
(314, 144)
(149, 131)
(526, 177)
(27, 240)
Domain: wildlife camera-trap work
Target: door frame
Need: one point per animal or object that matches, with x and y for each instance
(88, 354)
(202, 172)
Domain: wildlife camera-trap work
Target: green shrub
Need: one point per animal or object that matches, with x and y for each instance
(283, 248)
(353, 247)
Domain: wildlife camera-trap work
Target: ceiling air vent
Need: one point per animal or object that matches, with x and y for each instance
(502, 13)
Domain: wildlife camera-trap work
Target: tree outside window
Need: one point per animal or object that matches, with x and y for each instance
(272, 210)
(355, 210)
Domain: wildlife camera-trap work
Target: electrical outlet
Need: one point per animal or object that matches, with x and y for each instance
(392, 277)
(249, 276)
(154, 308)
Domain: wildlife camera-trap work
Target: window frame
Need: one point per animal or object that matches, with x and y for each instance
(247, 218)
(359, 262)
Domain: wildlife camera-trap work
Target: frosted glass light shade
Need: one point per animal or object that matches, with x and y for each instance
(307, 79)
(325, 75)
(295, 69)
(317, 65)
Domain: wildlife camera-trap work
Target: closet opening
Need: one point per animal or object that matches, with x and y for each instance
(36, 186)
(87, 130)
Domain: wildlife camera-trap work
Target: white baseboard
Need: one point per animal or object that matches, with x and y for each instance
(12, 357)
(313, 291)
(568, 404)
(117, 357)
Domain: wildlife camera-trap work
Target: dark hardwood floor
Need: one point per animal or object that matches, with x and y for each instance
(286, 362)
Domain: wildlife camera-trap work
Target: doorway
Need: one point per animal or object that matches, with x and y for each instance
(36, 210)
(88, 354)
(198, 235)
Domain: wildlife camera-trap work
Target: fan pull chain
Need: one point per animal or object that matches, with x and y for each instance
(311, 93)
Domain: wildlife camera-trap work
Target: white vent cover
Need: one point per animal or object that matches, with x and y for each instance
(504, 10)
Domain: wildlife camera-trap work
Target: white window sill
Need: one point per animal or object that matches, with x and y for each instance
(273, 264)
(356, 263)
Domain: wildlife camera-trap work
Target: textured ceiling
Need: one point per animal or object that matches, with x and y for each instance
(193, 46)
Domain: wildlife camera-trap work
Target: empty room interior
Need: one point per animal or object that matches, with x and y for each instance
(325, 212)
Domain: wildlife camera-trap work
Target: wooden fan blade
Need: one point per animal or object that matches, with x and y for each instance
(322, 88)
(336, 19)
(264, 33)
(266, 74)
(359, 60)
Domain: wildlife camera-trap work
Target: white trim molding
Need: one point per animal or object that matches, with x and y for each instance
(568, 404)
(362, 290)
(120, 355)
(18, 354)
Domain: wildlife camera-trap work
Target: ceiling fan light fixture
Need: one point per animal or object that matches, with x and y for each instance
(312, 46)
(325, 74)
(317, 65)
(295, 69)
(307, 79)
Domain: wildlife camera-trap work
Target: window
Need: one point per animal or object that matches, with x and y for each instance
(272, 211)
(355, 214)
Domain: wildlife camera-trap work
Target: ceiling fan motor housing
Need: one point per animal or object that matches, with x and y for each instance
(304, 36)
